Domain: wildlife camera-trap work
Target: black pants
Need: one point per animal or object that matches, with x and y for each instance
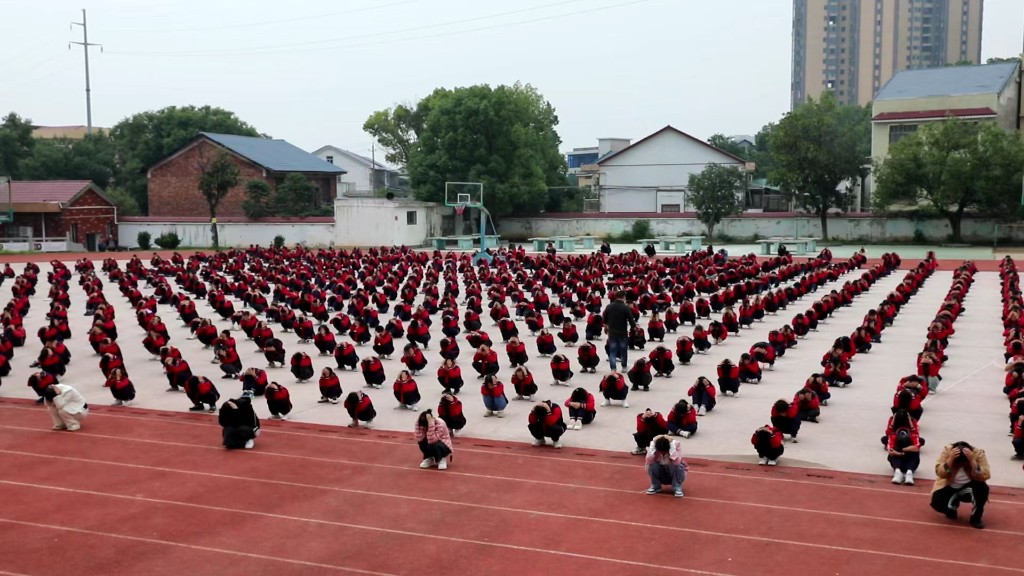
(554, 432)
(235, 437)
(437, 450)
(948, 498)
(766, 450)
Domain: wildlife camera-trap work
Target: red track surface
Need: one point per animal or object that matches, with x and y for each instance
(149, 493)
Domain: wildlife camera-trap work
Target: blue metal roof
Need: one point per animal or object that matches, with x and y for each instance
(275, 155)
(948, 81)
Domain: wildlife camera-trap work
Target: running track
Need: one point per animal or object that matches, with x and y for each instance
(150, 493)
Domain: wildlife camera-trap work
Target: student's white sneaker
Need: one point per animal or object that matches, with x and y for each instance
(604, 402)
(249, 444)
(897, 477)
(558, 444)
(530, 397)
(579, 424)
(538, 442)
(572, 424)
(519, 396)
(427, 463)
(488, 414)
(701, 411)
(685, 434)
(442, 464)
(762, 461)
(625, 404)
(908, 478)
(773, 462)
(500, 413)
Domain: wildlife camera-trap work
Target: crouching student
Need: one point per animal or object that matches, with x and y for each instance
(649, 424)
(239, 424)
(449, 409)
(808, 407)
(67, 407)
(279, 401)
(729, 378)
(904, 448)
(360, 409)
(665, 465)
(434, 441)
(702, 395)
(545, 421)
(493, 393)
(786, 418)
(682, 419)
(640, 375)
(817, 384)
(961, 475)
(768, 441)
(581, 408)
(614, 389)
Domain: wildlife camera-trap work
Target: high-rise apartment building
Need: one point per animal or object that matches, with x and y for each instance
(853, 47)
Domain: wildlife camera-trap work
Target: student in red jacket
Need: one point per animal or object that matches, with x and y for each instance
(545, 343)
(449, 409)
(1018, 436)
(763, 353)
(493, 393)
(330, 387)
(729, 378)
(661, 361)
(230, 363)
(254, 381)
(569, 335)
(684, 349)
(682, 419)
(449, 375)
(201, 391)
(702, 395)
(406, 391)
(640, 375)
(413, 358)
(649, 424)
(279, 401)
(903, 445)
(121, 388)
(302, 367)
(516, 352)
(360, 409)
(656, 328)
(588, 358)
(561, 370)
(786, 418)
(545, 421)
(614, 389)
(817, 384)
(324, 341)
(373, 372)
(383, 342)
(485, 361)
(701, 339)
(910, 392)
(523, 382)
(808, 406)
(749, 369)
(581, 408)
(768, 441)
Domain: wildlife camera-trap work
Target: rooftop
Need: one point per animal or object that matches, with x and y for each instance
(948, 81)
(275, 155)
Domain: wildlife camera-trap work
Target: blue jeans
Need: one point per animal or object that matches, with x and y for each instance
(666, 474)
(495, 404)
(617, 348)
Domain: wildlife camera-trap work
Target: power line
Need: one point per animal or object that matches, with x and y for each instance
(340, 42)
(264, 22)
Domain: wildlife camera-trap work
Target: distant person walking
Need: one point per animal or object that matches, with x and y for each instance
(618, 319)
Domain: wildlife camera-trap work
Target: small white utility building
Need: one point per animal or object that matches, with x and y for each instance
(652, 174)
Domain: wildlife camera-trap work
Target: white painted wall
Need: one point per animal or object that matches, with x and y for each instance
(877, 230)
(631, 179)
(199, 235)
(381, 222)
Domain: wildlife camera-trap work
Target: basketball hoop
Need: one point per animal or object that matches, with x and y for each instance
(460, 208)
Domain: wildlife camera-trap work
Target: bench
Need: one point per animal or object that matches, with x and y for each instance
(462, 242)
(677, 244)
(800, 246)
(564, 243)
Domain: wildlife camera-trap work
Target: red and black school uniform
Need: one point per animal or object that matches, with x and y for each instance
(587, 357)
(703, 395)
(671, 320)
(728, 378)
(701, 340)
(817, 384)
(685, 349)
(304, 329)
(656, 330)
(587, 411)
(661, 361)
(546, 344)
(200, 390)
(359, 333)
(569, 335)
(449, 348)
(330, 387)
(121, 388)
(302, 366)
(524, 384)
(254, 382)
(613, 387)
(768, 443)
(178, 372)
(414, 359)
(808, 406)
(594, 327)
(517, 355)
(637, 338)
(406, 392)
(273, 351)
(647, 429)
(764, 353)
(786, 417)
(909, 399)
(325, 342)
(550, 425)
(230, 362)
(360, 407)
(450, 378)
(640, 374)
(508, 329)
(898, 440)
(449, 410)
(373, 372)
(561, 370)
(39, 382)
(680, 421)
(485, 362)
(749, 369)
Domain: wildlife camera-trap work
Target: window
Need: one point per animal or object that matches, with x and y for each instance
(330, 159)
(897, 132)
(74, 232)
(410, 217)
(673, 208)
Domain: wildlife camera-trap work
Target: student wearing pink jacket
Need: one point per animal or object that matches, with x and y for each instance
(435, 442)
(665, 465)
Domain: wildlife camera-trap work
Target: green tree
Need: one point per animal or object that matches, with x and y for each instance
(257, 199)
(296, 196)
(89, 158)
(954, 166)
(726, 144)
(16, 144)
(815, 148)
(713, 192)
(503, 137)
(999, 60)
(126, 204)
(143, 139)
(217, 177)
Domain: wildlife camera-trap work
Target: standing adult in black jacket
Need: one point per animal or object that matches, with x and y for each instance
(618, 319)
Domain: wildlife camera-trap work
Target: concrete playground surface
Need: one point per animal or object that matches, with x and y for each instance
(970, 405)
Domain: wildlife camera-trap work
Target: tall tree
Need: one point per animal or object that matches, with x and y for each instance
(257, 203)
(503, 137)
(16, 144)
(818, 146)
(217, 177)
(89, 158)
(296, 196)
(954, 166)
(145, 138)
(726, 144)
(714, 193)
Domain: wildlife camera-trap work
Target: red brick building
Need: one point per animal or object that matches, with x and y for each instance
(173, 183)
(74, 209)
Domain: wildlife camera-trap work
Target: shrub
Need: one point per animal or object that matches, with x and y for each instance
(168, 241)
(641, 229)
(257, 199)
(278, 241)
(143, 238)
(919, 237)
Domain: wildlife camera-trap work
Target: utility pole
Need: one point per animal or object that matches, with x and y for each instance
(85, 45)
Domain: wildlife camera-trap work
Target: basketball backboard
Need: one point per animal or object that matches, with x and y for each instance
(464, 194)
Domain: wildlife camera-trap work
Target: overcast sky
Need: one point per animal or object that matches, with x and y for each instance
(311, 72)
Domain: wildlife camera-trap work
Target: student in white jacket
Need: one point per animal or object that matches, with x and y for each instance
(67, 407)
